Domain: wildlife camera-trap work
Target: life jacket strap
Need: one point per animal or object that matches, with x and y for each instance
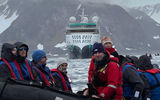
(29, 69)
(11, 70)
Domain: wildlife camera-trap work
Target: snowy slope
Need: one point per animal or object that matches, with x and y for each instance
(5, 21)
(151, 10)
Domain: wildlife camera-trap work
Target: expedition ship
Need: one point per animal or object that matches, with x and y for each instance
(81, 35)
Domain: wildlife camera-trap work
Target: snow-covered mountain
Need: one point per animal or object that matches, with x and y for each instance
(5, 19)
(151, 10)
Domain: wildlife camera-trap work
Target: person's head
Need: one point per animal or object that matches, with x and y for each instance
(22, 49)
(14, 51)
(107, 42)
(62, 65)
(39, 57)
(99, 52)
(156, 66)
(8, 51)
(134, 60)
(145, 63)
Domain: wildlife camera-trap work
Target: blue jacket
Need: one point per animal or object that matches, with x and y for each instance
(132, 82)
(153, 75)
(44, 74)
(128, 90)
(23, 68)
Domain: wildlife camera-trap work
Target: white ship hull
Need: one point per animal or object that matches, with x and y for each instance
(80, 44)
(81, 40)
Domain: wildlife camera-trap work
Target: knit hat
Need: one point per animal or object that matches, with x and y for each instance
(106, 40)
(98, 47)
(61, 61)
(37, 55)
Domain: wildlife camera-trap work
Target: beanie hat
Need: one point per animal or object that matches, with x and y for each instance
(98, 47)
(37, 55)
(106, 40)
(61, 61)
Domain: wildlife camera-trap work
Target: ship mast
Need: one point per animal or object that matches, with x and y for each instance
(84, 18)
(83, 15)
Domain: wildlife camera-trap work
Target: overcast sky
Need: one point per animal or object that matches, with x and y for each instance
(128, 3)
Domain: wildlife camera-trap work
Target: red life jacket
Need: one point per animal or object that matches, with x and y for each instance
(92, 68)
(111, 76)
(121, 67)
(153, 71)
(20, 72)
(18, 68)
(9, 66)
(45, 79)
(62, 78)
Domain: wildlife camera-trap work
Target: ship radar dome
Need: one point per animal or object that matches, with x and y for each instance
(84, 20)
(72, 19)
(95, 19)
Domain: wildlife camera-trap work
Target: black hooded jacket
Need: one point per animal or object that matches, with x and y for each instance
(145, 63)
(20, 59)
(131, 76)
(6, 52)
(8, 56)
(18, 45)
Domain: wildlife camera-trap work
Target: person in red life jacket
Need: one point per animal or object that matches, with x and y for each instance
(152, 74)
(60, 75)
(8, 55)
(108, 45)
(107, 77)
(133, 85)
(22, 64)
(39, 60)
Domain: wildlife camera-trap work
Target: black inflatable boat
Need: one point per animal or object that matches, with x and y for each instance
(22, 90)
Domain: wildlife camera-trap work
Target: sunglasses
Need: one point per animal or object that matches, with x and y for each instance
(20, 49)
(108, 43)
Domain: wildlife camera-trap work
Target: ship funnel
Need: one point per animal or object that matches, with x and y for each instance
(95, 19)
(72, 19)
(84, 20)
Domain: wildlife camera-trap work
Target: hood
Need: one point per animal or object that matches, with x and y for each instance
(110, 49)
(114, 59)
(122, 60)
(134, 60)
(145, 63)
(6, 52)
(18, 45)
